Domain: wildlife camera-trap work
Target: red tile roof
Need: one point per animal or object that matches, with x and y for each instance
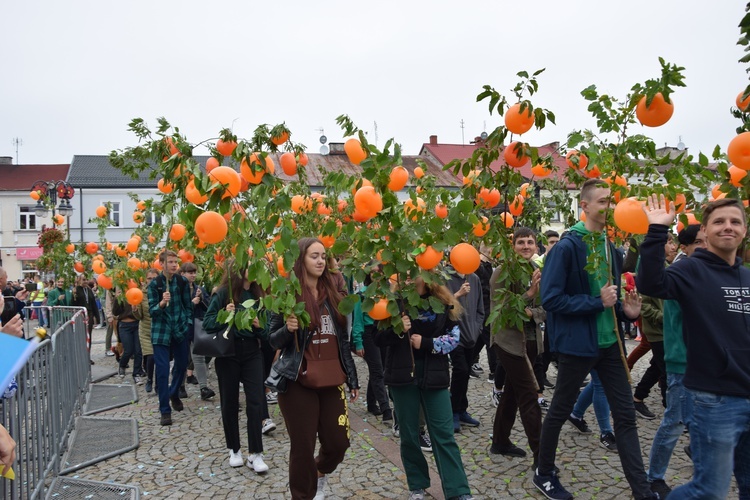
(21, 177)
(445, 153)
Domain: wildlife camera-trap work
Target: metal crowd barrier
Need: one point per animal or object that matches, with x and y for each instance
(52, 389)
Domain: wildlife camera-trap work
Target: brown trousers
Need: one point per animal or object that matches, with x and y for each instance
(311, 414)
(520, 394)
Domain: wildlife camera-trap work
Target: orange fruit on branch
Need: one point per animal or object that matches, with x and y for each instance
(177, 232)
(225, 148)
(98, 266)
(101, 211)
(379, 311)
(105, 281)
(211, 227)
(138, 217)
(464, 258)
(507, 219)
(429, 258)
(254, 171)
(58, 220)
(368, 202)
(70, 248)
(655, 114)
(228, 178)
(132, 245)
(735, 175)
(354, 151)
(488, 198)
(576, 160)
(630, 217)
(481, 227)
(515, 154)
(742, 104)
(540, 170)
(739, 151)
(211, 164)
(134, 263)
(164, 187)
(134, 296)
(515, 207)
(517, 121)
(398, 178)
(92, 247)
(412, 210)
(281, 138)
(441, 210)
(301, 204)
(78, 266)
(418, 172)
(288, 163)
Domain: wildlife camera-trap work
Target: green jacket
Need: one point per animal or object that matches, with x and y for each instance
(652, 313)
(59, 297)
(675, 352)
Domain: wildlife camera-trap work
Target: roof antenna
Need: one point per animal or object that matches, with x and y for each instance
(463, 142)
(17, 142)
(680, 144)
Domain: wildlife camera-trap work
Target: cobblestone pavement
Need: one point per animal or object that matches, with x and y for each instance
(189, 460)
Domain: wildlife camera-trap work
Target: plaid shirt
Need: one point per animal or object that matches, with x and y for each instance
(173, 322)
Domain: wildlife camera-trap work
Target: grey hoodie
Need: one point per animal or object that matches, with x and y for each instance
(472, 319)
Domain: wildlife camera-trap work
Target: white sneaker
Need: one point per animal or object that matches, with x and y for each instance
(255, 462)
(268, 426)
(321, 494)
(235, 459)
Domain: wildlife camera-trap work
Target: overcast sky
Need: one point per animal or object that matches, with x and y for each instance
(74, 73)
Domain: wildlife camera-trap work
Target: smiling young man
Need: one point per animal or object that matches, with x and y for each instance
(583, 309)
(516, 350)
(713, 290)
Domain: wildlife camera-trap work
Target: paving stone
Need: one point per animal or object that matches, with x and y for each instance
(189, 459)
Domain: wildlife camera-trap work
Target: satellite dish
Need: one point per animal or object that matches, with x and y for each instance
(324, 149)
(483, 135)
(323, 139)
(680, 145)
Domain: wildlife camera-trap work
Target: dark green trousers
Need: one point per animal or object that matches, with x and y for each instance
(439, 419)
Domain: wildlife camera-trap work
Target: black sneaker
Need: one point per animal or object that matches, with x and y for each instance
(149, 385)
(121, 372)
(207, 393)
(474, 373)
(543, 405)
(166, 419)
(550, 487)
(607, 440)
(424, 441)
(192, 379)
(660, 487)
(579, 424)
(535, 465)
(642, 410)
(477, 367)
(177, 404)
(183, 393)
(375, 410)
(510, 451)
(548, 384)
(387, 415)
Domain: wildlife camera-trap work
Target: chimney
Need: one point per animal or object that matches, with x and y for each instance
(336, 148)
(433, 140)
(6, 160)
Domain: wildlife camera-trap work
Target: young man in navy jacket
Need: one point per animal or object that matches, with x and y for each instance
(583, 313)
(713, 290)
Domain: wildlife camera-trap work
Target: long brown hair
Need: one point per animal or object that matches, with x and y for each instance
(236, 278)
(452, 305)
(327, 288)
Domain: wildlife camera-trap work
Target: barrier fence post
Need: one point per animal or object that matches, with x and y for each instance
(52, 387)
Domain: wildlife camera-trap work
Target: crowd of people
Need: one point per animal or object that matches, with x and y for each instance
(575, 313)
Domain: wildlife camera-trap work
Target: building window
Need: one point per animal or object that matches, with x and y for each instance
(554, 212)
(114, 212)
(152, 219)
(26, 218)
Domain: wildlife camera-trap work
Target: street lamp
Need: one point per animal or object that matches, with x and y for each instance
(51, 191)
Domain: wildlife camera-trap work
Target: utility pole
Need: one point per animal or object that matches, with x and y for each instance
(463, 142)
(376, 134)
(17, 142)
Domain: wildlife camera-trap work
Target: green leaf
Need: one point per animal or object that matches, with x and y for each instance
(346, 306)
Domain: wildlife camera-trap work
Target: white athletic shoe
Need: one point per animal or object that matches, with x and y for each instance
(235, 459)
(268, 426)
(321, 494)
(255, 462)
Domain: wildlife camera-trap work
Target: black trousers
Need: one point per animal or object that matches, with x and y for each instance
(571, 370)
(461, 359)
(377, 397)
(245, 366)
(656, 373)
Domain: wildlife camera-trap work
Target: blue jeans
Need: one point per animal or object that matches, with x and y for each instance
(720, 442)
(594, 392)
(39, 312)
(161, 364)
(670, 430)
